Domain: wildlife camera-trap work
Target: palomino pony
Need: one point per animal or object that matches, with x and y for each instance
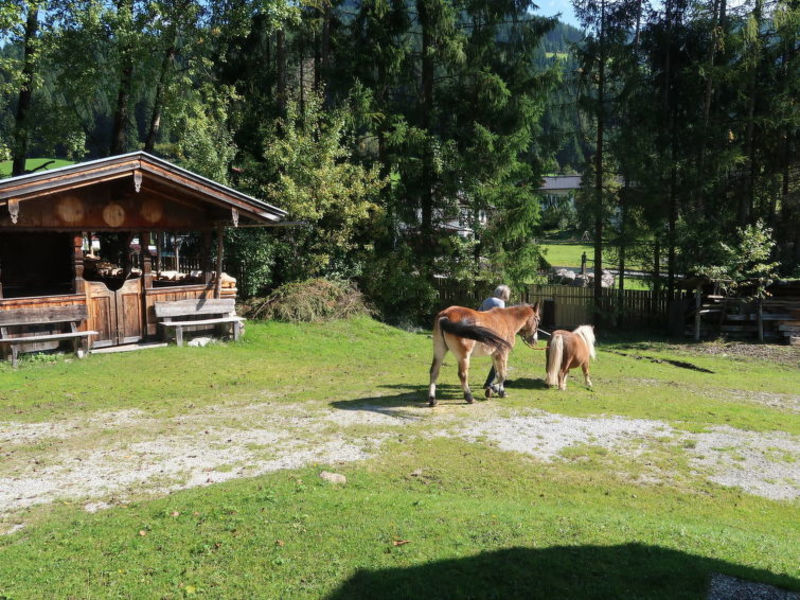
(566, 351)
(466, 332)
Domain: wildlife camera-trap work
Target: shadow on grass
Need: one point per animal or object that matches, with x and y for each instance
(408, 396)
(417, 395)
(526, 383)
(675, 363)
(575, 572)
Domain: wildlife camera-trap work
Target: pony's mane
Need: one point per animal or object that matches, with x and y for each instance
(587, 333)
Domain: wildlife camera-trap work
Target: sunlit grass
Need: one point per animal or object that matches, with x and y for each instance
(34, 163)
(428, 517)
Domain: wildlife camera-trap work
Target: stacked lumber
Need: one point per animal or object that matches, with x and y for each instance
(226, 281)
(790, 328)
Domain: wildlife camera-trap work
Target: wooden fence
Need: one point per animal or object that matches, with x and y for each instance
(567, 306)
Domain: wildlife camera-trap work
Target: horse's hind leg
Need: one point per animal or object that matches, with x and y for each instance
(562, 379)
(585, 368)
(502, 371)
(435, 366)
(439, 350)
(463, 375)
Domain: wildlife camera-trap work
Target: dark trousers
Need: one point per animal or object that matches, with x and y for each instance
(490, 378)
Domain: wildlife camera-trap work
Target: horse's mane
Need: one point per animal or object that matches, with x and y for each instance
(587, 333)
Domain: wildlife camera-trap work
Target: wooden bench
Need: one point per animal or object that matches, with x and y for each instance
(180, 314)
(18, 328)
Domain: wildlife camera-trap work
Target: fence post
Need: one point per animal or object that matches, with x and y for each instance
(760, 312)
(697, 303)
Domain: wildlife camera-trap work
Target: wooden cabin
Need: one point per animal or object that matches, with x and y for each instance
(48, 222)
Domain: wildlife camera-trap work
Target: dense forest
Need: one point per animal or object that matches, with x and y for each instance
(388, 128)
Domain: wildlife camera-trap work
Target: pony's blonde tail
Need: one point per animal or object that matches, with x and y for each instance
(555, 355)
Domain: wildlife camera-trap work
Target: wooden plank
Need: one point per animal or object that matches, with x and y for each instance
(46, 337)
(202, 322)
(45, 314)
(41, 301)
(31, 188)
(200, 306)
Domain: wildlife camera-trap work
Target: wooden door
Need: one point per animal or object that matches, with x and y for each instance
(116, 315)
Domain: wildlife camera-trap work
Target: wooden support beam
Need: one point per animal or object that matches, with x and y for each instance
(206, 257)
(220, 244)
(77, 263)
(146, 259)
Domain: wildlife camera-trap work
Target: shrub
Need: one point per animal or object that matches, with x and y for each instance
(311, 300)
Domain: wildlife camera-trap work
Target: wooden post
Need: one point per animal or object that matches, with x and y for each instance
(146, 259)
(698, 300)
(159, 244)
(176, 246)
(218, 283)
(206, 259)
(760, 313)
(77, 263)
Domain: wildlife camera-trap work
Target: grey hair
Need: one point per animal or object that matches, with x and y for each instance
(503, 292)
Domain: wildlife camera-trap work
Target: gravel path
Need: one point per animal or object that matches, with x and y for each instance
(108, 457)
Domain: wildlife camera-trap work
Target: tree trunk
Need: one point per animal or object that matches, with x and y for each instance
(671, 231)
(638, 31)
(280, 57)
(426, 193)
(302, 91)
(119, 132)
(598, 183)
(20, 136)
(747, 203)
(657, 265)
(670, 108)
(623, 242)
(158, 102)
(325, 45)
(317, 62)
(699, 201)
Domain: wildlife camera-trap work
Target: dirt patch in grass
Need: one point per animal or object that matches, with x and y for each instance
(764, 464)
(774, 353)
(110, 458)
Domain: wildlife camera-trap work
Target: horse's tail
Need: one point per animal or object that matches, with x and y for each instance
(587, 333)
(469, 330)
(555, 354)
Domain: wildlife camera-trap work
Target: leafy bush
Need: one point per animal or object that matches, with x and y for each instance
(311, 300)
(402, 295)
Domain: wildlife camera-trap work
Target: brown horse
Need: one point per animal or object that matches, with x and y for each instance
(567, 350)
(466, 332)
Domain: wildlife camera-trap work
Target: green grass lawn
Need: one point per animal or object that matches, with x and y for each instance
(429, 516)
(569, 255)
(32, 163)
